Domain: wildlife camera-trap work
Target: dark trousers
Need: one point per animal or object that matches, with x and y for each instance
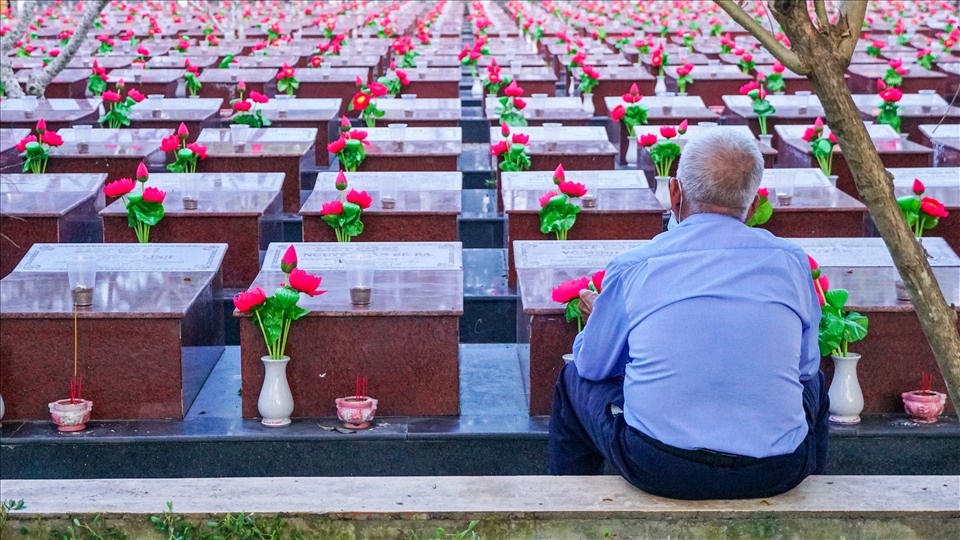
(585, 431)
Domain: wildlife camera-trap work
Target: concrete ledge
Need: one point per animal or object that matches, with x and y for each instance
(510, 507)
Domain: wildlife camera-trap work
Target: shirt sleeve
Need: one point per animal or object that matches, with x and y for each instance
(600, 351)
(810, 341)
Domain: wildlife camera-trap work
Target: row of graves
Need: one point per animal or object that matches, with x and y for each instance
(300, 188)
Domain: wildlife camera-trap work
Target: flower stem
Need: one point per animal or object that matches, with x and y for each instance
(260, 322)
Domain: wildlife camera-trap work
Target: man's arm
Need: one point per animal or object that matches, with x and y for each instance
(810, 340)
(601, 351)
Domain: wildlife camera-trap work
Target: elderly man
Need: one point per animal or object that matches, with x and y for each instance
(697, 375)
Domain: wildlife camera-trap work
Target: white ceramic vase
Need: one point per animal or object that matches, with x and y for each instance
(846, 398)
(632, 155)
(766, 140)
(476, 89)
(662, 192)
(833, 179)
(661, 87)
(588, 104)
(275, 404)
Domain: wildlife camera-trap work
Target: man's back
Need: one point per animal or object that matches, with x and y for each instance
(715, 325)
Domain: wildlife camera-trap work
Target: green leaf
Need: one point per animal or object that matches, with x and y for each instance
(837, 298)
(573, 310)
(148, 212)
(762, 215)
(287, 297)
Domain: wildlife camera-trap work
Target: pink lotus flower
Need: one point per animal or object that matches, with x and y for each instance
(520, 138)
(258, 97)
(519, 103)
(513, 90)
(51, 139)
(545, 198)
(22, 145)
(763, 192)
(918, 187)
(648, 139)
(499, 148)
(559, 175)
(305, 283)
(572, 189)
(142, 172)
(891, 95)
(135, 95)
(619, 111)
(332, 208)
(668, 132)
(933, 207)
(198, 149)
(597, 280)
(119, 187)
(360, 198)
(778, 67)
(182, 130)
(569, 290)
(111, 96)
(809, 134)
(682, 128)
(818, 124)
(832, 138)
(289, 260)
(337, 146)
(246, 301)
(241, 85)
(341, 181)
(41, 125)
(895, 63)
(152, 194)
(170, 144)
(504, 130)
(881, 84)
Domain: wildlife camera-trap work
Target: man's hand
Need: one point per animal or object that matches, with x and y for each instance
(587, 298)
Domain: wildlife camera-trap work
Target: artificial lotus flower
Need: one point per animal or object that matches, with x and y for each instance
(933, 207)
(242, 106)
(119, 188)
(545, 198)
(111, 96)
(341, 182)
(170, 144)
(572, 189)
(569, 290)
(360, 198)
(332, 208)
(559, 175)
(520, 138)
(648, 139)
(152, 194)
(499, 148)
(51, 139)
(668, 132)
(597, 280)
(918, 187)
(257, 97)
(289, 260)
(619, 111)
(337, 146)
(247, 300)
(22, 145)
(41, 125)
(142, 172)
(305, 282)
(513, 90)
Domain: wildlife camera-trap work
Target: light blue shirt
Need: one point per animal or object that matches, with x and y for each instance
(713, 325)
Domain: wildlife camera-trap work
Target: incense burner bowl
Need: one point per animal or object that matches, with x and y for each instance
(71, 415)
(356, 412)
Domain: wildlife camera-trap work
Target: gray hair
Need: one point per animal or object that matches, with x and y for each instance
(722, 168)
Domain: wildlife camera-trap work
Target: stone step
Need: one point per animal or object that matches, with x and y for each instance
(509, 506)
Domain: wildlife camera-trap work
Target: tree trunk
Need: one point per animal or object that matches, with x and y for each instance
(828, 49)
(875, 186)
(26, 14)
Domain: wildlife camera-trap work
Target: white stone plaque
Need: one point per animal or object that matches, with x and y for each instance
(319, 256)
(878, 132)
(404, 181)
(543, 180)
(563, 133)
(930, 176)
(801, 177)
(869, 252)
(438, 134)
(692, 130)
(571, 253)
(220, 181)
(262, 135)
(942, 131)
(126, 257)
(41, 183)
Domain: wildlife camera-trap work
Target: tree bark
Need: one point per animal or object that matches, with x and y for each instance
(832, 47)
(11, 85)
(37, 84)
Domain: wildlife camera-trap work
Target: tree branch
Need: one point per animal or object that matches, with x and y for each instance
(823, 21)
(852, 13)
(11, 86)
(37, 84)
(786, 57)
(26, 16)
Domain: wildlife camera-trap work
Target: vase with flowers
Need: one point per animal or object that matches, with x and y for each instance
(36, 147)
(838, 329)
(822, 147)
(273, 315)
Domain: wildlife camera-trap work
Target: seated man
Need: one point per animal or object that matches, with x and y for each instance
(697, 375)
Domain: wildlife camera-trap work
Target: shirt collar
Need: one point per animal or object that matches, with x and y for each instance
(708, 217)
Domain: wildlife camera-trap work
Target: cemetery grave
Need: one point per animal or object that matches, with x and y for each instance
(388, 166)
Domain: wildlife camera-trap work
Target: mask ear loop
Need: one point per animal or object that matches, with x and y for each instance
(680, 206)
